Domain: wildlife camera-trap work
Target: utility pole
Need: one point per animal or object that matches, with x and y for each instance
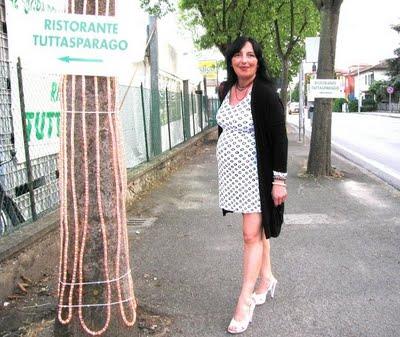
(155, 125)
(301, 99)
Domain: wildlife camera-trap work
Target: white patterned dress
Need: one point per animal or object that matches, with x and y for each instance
(237, 160)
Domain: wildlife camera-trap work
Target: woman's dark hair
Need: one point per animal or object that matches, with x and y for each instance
(234, 48)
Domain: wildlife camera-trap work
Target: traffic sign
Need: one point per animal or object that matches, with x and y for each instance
(390, 90)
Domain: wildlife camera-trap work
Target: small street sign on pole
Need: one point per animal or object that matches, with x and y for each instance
(390, 91)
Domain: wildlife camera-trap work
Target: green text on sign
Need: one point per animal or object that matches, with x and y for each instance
(75, 34)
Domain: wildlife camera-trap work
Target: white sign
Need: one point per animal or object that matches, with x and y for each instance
(42, 104)
(74, 44)
(312, 49)
(326, 89)
(41, 91)
(390, 90)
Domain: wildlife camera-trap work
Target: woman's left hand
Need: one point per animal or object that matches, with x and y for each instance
(279, 194)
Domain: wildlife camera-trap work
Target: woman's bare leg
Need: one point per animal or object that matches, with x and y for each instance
(252, 257)
(265, 271)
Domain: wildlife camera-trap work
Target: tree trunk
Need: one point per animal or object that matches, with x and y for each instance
(95, 290)
(319, 160)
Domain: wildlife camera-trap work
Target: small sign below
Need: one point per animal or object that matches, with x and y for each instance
(390, 90)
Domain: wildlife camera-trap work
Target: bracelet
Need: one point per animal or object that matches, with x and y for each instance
(279, 175)
(279, 183)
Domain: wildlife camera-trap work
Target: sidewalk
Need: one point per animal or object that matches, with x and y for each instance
(337, 259)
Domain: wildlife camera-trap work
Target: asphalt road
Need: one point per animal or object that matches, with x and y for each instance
(369, 139)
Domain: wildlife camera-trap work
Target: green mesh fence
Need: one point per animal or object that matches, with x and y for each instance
(163, 119)
(152, 122)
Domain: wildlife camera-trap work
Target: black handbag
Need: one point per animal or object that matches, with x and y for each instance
(276, 219)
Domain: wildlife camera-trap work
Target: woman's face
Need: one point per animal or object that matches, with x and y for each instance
(245, 62)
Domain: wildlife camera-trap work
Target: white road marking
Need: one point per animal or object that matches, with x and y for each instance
(307, 219)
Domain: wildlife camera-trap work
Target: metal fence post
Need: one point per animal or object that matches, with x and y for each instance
(183, 118)
(212, 110)
(201, 120)
(194, 123)
(26, 145)
(168, 119)
(144, 123)
(214, 106)
(209, 103)
(186, 108)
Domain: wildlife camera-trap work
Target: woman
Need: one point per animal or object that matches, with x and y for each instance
(252, 160)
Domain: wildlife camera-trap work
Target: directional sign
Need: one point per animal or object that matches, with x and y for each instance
(78, 59)
(74, 44)
(390, 90)
(321, 88)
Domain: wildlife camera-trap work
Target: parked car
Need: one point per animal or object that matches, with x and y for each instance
(293, 107)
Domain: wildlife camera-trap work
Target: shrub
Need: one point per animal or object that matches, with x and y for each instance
(368, 105)
(337, 104)
(353, 105)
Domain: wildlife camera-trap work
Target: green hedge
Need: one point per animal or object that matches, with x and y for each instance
(353, 105)
(337, 104)
(368, 105)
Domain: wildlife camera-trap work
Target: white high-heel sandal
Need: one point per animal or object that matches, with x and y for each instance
(261, 298)
(236, 327)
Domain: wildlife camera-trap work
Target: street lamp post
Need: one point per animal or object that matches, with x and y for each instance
(301, 99)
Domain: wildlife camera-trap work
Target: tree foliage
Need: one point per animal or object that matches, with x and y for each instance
(378, 89)
(338, 103)
(157, 8)
(280, 26)
(296, 93)
(282, 29)
(394, 65)
(222, 21)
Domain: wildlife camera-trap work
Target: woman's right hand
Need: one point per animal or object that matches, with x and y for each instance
(279, 194)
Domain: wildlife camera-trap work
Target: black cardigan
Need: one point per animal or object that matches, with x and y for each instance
(271, 146)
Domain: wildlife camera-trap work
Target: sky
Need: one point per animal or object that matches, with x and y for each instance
(364, 34)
